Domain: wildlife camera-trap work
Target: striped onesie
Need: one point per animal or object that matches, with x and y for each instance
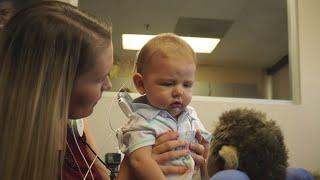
(148, 122)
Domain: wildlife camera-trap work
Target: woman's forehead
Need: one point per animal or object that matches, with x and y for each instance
(103, 61)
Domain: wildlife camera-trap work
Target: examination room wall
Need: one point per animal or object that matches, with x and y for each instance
(299, 122)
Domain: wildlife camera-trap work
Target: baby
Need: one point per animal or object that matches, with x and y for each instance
(165, 76)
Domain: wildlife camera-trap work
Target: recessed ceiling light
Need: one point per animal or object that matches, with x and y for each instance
(199, 44)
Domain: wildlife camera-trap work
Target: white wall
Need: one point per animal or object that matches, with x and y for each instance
(209, 80)
(229, 81)
(281, 84)
(300, 123)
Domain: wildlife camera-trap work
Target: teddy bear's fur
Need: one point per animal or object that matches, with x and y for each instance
(245, 140)
(316, 176)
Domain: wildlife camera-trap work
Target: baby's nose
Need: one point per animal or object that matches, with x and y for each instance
(177, 91)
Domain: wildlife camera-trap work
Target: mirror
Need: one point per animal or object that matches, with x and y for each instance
(250, 61)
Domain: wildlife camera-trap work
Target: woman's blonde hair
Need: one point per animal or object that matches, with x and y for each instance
(43, 49)
(165, 45)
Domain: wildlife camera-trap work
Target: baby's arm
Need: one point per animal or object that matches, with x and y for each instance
(144, 166)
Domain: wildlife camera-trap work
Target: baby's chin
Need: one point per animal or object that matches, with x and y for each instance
(175, 112)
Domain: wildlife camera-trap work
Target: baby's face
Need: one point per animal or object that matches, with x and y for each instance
(168, 83)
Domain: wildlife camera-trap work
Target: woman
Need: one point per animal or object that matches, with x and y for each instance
(54, 65)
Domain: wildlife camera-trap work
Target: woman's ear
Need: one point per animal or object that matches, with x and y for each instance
(138, 83)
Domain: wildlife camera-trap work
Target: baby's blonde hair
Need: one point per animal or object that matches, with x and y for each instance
(166, 45)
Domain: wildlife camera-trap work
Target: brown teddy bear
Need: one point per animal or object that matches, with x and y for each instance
(245, 140)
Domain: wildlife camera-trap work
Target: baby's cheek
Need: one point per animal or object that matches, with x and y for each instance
(161, 99)
(188, 97)
(156, 101)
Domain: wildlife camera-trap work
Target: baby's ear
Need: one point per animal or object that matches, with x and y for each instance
(138, 83)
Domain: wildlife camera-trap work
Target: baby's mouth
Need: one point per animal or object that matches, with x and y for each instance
(176, 105)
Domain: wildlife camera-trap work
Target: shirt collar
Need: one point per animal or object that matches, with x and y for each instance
(140, 106)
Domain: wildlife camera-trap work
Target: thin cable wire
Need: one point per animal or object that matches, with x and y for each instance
(110, 125)
(109, 122)
(75, 160)
(75, 139)
(111, 105)
(90, 168)
(94, 159)
(93, 152)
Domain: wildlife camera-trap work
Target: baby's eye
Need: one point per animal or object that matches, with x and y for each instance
(167, 83)
(188, 84)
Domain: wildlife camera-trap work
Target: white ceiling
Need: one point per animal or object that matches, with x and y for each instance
(256, 38)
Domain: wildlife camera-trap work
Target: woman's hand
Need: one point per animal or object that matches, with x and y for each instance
(200, 155)
(163, 151)
(200, 149)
